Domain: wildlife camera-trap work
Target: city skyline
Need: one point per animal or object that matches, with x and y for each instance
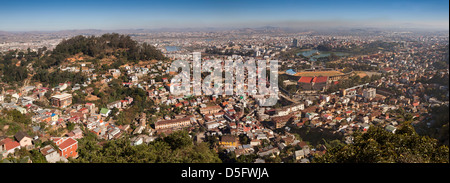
(109, 15)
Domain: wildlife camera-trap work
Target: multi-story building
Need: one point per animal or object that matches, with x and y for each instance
(181, 122)
(370, 93)
(67, 146)
(280, 121)
(62, 100)
(228, 141)
(313, 83)
(210, 109)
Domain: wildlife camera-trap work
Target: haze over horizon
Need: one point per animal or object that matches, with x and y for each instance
(50, 15)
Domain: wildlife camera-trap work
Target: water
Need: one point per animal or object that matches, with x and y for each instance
(313, 57)
(172, 48)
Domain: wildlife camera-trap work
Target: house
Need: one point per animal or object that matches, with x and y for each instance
(21, 110)
(269, 151)
(54, 117)
(390, 128)
(365, 126)
(210, 109)
(105, 112)
(90, 106)
(138, 140)
(300, 154)
(211, 125)
(8, 146)
(114, 133)
(116, 104)
(311, 115)
(51, 155)
(297, 107)
(327, 117)
(76, 134)
(23, 139)
(255, 142)
(369, 93)
(228, 141)
(67, 146)
(280, 121)
(138, 130)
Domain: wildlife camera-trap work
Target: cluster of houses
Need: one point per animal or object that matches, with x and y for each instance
(61, 113)
(64, 147)
(229, 118)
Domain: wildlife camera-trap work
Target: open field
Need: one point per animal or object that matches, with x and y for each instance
(361, 74)
(366, 73)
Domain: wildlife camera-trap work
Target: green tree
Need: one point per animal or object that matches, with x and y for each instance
(380, 146)
(178, 139)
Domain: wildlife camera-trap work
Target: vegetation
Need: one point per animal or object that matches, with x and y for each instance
(351, 67)
(13, 65)
(13, 121)
(54, 78)
(175, 148)
(369, 48)
(438, 128)
(352, 81)
(381, 146)
(120, 46)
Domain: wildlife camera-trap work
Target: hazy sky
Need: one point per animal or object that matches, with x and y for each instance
(42, 15)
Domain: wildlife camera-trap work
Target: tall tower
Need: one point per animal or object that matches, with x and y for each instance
(196, 68)
(294, 43)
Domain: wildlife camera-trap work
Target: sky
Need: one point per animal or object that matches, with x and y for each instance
(54, 15)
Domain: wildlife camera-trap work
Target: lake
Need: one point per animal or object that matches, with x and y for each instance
(172, 48)
(313, 57)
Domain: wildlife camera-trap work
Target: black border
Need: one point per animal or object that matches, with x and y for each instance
(278, 172)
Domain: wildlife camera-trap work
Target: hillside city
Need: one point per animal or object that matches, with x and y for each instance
(96, 96)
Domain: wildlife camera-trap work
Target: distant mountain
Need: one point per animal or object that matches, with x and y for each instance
(3, 33)
(262, 29)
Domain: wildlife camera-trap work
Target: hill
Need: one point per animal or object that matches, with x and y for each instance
(120, 46)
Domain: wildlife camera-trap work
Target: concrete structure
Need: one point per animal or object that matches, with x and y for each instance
(182, 122)
(67, 146)
(62, 100)
(370, 93)
(51, 155)
(210, 109)
(23, 139)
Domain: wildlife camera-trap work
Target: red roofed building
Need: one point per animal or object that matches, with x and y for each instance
(320, 79)
(247, 129)
(8, 146)
(305, 83)
(178, 105)
(305, 79)
(313, 83)
(319, 83)
(67, 146)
